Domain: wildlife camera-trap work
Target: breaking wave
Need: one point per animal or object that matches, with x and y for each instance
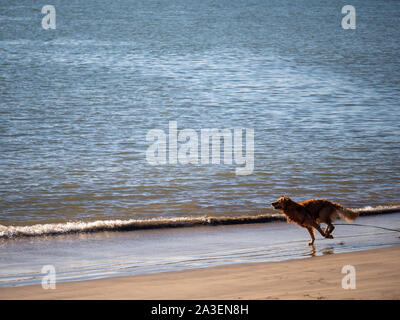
(129, 225)
(51, 229)
(368, 210)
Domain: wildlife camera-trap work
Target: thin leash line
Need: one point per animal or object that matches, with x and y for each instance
(365, 225)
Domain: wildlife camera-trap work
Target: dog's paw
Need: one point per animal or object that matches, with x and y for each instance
(310, 243)
(329, 236)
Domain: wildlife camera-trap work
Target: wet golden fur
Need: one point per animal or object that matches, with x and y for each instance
(310, 213)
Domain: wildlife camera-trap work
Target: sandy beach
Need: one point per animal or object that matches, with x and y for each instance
(377, 277)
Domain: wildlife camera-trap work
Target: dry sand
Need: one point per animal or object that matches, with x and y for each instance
(377, 277)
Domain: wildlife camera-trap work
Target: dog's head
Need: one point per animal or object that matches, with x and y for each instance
(281, 202)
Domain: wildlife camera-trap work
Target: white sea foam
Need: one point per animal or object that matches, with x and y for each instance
(127, 225)
(378, 209)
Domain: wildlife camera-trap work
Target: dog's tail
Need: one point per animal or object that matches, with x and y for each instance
(347, 215)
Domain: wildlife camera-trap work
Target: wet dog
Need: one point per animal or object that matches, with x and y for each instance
(310, 213)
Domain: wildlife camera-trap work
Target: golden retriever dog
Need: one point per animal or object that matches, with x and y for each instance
(310, 213)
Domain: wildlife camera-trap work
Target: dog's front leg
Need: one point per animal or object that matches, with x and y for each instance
(311, 231)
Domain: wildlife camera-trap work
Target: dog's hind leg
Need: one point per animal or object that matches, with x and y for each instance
(311, 231)
(318, 227)
(329, 229)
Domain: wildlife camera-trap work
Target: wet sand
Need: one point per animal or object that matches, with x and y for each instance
(377, 277)
(81, 257)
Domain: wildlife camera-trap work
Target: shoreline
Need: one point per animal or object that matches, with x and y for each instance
(114, 254)
(12, 232)
(377, 277)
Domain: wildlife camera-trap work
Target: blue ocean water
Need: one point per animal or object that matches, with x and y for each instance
(77, 102)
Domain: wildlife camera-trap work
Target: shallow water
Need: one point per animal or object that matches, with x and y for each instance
(108, 254)
(77, 102)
